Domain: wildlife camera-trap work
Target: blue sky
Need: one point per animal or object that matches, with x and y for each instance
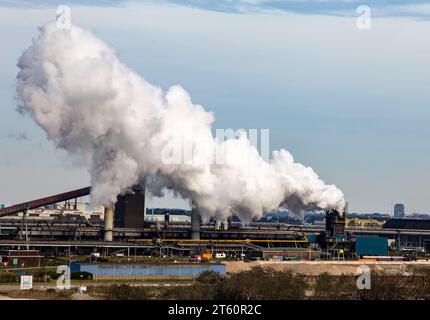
(351, 104)
(401, 8)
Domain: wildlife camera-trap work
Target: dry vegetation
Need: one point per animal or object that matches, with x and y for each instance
(265, 283)
(259, 284)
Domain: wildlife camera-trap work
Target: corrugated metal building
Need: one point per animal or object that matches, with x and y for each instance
(407, 224)
(142, 270)
(130, 210)
(377, 246)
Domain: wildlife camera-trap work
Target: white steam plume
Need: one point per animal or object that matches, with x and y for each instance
(120, 126)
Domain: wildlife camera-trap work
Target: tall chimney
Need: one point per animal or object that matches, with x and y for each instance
(166, 219)
(217, 224)
(108, 236)
(196, 221)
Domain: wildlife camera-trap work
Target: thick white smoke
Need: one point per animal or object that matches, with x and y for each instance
(124, 130)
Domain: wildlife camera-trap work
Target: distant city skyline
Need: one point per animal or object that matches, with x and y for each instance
(399, 210)
(351, 104)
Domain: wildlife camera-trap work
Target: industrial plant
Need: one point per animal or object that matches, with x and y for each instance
(126, 228)
(260, 222)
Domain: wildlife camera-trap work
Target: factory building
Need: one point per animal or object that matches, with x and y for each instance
(61, 210)
(176, 231)
(407, 239)
(130, 209)
(178, 217)
(335, 224)
(372, 246)
(407, 224)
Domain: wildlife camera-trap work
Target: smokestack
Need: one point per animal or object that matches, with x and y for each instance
(108, 223)
(196, 221)
(217, 224)
(225, 224)
(166, 219)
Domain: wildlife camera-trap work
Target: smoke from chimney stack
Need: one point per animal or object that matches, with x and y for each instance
(119, 126)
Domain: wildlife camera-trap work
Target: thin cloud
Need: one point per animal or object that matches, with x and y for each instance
(18, 136)
(389, 8)
(52, 3)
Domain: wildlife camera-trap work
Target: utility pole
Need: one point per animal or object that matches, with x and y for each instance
(24, 227)
(398, 243)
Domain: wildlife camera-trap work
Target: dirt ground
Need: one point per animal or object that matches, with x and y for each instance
(313, 268)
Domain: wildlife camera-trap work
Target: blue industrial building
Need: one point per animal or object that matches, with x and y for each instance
(124, 270)
(375, 246)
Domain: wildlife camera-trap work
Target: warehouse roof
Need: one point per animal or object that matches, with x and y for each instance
(407, 224)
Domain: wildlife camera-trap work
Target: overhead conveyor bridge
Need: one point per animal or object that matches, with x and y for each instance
(22, 207)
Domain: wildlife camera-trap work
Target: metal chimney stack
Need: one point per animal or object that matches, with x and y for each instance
(196, 221)
(224, 224)
(166, 219)
(108, 236)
